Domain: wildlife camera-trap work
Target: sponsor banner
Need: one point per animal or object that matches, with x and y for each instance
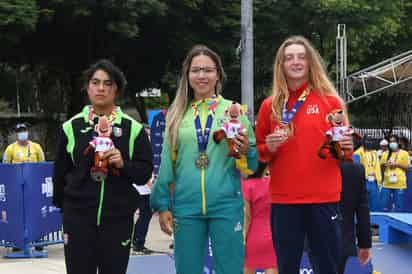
(26, 210)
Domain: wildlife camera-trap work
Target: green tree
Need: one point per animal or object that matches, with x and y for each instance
(70, 35)
(17, 17)
(375, 29)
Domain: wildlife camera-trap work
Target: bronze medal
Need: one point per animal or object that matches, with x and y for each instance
(202, 161)
(287, 129)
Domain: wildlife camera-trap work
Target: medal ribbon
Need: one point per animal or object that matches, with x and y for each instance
(287, 116)
(203, 135)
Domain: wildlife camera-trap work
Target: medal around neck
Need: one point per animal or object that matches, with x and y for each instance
(286, 129)
(98, 175)
(202, 161)
(287, 116)
(202, 134)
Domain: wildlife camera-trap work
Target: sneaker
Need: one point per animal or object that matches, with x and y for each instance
(142, 250)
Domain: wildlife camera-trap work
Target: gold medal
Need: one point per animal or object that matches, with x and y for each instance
(202, 161)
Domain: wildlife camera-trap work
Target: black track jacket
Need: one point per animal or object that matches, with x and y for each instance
(73, 186)
(355, 209)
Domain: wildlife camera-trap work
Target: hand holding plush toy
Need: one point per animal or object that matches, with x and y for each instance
(335, 134)
(229, 131)
(101, 143)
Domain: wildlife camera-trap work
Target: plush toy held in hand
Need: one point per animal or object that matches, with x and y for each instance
(101, 143)
(228, 131)
(337, 131)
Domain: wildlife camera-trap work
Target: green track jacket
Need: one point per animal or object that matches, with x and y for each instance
(200, 192)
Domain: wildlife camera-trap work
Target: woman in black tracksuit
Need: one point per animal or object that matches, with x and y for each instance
(98, 210)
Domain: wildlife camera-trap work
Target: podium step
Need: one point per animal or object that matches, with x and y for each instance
(151, 264)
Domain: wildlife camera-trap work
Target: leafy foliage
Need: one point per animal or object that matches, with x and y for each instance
(47, 43)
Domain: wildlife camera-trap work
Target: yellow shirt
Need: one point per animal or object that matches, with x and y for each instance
(360, 151)
(370, 161)
(395, 178)
(30, 153)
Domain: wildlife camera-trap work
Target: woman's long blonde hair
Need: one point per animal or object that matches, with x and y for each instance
(184, 93)
(318, 78)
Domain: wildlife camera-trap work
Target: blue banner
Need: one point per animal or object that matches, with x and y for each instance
(41, 216)
(152, 114)
(11, 204)
(407, 197)
(26, 211)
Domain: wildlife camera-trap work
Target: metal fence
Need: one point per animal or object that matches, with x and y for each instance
(380, 133)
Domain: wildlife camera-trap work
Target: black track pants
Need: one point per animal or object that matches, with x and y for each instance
(89, 247)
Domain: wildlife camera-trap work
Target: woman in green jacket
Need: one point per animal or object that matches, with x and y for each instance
(207, 195)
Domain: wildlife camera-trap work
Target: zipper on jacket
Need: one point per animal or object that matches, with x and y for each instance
(203, 171)
(99, 210)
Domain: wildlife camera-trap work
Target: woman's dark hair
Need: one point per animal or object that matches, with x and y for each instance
(259, 171)
(404, 143)
(367, 142)
(113, 71)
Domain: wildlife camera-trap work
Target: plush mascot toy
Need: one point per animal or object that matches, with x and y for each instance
(338, 129)
(101, 143)
(228, 131)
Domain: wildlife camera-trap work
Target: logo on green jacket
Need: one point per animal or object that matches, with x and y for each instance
(85, 130)
(125, 243)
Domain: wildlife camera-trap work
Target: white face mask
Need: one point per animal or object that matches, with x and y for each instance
(393, 145)
(23, 136)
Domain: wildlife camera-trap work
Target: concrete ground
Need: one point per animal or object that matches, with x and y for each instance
(54, 264)
(386, 258)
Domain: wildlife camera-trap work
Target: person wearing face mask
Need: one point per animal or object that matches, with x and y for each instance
(394, 163)
(368, 158)
(23, 150)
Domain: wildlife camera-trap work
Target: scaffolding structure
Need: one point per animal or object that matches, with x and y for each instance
(395, 71)
(341, 59)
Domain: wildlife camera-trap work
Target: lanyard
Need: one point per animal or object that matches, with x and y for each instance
(28, 151)
(203, 135)
(111, 117)
(396, 156)
(287, 116)
(371, 162)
